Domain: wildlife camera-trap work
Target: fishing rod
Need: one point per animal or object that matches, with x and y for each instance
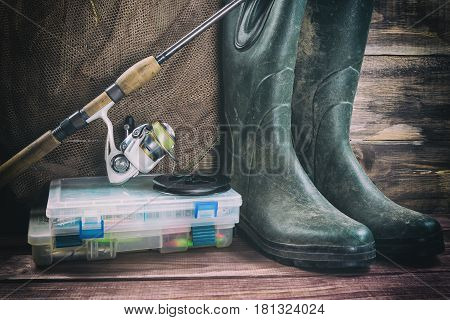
(130, 81)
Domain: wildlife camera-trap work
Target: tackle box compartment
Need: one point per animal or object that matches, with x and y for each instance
(88, 218)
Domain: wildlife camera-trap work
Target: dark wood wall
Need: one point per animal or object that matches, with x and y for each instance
(401, 122)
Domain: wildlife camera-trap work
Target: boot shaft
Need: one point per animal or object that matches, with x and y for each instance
(333, 40)
(259, 49)
(334, 36)
(260, 41)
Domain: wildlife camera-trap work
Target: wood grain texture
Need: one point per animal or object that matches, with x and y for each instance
(401, 129)
(410, 27)
(403, 99)
(416, 176)
(405, 286)
(27, 156)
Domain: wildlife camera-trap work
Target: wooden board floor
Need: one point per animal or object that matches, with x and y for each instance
(237, 272)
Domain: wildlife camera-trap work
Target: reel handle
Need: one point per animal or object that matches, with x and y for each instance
(27, 157)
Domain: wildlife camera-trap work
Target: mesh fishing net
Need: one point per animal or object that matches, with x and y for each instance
(58, 55)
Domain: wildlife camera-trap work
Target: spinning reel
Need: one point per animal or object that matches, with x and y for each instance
(143, 148)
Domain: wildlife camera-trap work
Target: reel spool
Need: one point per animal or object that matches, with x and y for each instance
(191, 185)
(148, 144)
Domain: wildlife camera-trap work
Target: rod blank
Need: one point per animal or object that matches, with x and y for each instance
(163, 57)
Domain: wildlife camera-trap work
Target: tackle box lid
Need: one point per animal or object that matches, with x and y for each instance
(95, 196)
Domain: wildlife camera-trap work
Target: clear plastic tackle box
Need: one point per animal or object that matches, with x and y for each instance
(88, 218)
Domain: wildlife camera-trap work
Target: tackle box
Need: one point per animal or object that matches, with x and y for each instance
(88, 218)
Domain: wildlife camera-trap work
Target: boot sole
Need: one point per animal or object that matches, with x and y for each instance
(310, 257)
(413, 248)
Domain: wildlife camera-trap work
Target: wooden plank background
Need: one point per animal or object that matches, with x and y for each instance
(401, 122)
(400, 134)
(410, 28)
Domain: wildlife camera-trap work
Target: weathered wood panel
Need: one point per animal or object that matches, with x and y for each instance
(413, 175)
(401, 129)
(404, 286)
(403, 99)
(410, 27)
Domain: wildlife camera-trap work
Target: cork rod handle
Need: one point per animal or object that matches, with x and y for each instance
(130, 81)
(28, 156)
(138, 75)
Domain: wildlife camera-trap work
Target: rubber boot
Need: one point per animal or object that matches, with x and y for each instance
(282, 212)
(334, 37)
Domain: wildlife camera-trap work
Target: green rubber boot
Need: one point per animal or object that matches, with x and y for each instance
(334, 37)
(283, 213)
